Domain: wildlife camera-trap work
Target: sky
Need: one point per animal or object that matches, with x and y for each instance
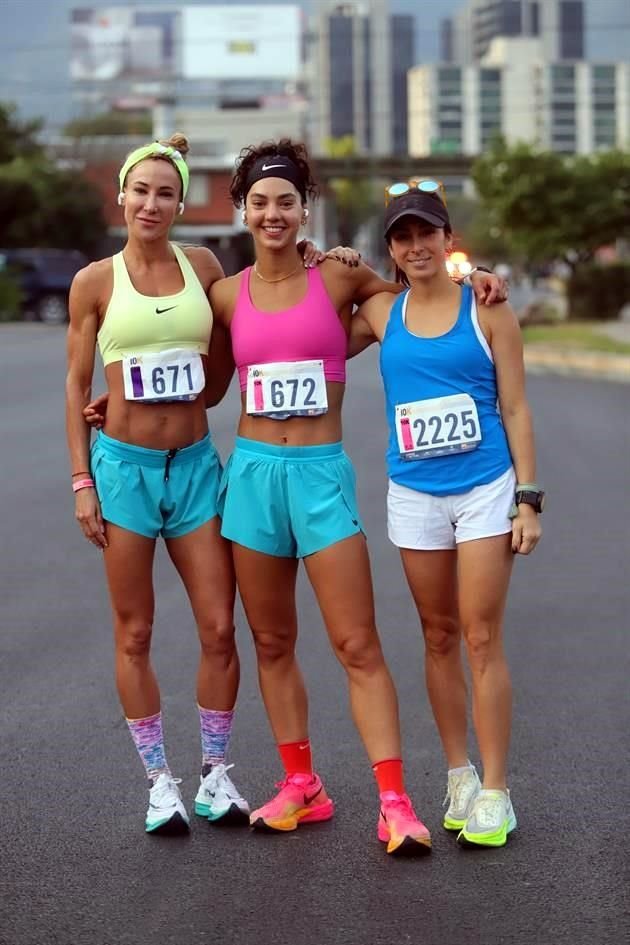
(34, 43)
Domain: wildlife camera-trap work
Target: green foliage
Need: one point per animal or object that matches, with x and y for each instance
(111, 123)
(598, 293)
(355, 201)
(39, 204)
(548, 206)
(17, 138)
(10, 298)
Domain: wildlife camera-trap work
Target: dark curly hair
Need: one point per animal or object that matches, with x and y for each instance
(294, 150)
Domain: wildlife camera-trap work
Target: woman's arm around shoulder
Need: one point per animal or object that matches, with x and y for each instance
(369, 322)
(206, 265)
(356, 283)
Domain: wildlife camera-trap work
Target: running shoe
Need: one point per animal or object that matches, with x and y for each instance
(490, 820)
(166, 812)
(399, 828)
(463, 787)
(218, 800)
(302, 799)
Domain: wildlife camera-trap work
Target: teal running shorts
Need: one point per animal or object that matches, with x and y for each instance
(288, 501)
(156, 492)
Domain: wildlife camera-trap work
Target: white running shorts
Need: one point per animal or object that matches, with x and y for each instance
(425, 522)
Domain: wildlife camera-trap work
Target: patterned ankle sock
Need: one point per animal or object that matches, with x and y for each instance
(216, 727)
(149, 741)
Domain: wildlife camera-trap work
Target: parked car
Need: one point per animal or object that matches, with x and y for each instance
(44, 277)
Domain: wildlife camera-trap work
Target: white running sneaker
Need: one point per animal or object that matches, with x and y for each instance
(166, 813)
(490, 821)
(218, 800)
(463, 787)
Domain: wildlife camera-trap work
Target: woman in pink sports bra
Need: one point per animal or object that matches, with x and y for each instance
(288, 491)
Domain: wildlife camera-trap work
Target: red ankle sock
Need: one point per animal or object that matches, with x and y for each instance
(296, 757)
(389, 775)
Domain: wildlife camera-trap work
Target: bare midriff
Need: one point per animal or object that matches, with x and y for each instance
(161, 426)
(297, 431)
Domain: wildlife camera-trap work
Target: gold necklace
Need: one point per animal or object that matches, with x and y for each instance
(282, 278)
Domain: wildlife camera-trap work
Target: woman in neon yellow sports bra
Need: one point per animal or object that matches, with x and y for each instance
(153, 470)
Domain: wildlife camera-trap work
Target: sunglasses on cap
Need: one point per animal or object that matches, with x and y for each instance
(401, 188)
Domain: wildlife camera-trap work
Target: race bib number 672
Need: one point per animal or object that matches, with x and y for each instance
(287, 389)
(440, 426)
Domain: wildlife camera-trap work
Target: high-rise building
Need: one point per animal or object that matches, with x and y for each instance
(559, 24)
(360, 79)
(569, 107)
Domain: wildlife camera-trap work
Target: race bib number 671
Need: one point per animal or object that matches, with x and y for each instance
(176, 374)
(440, 426)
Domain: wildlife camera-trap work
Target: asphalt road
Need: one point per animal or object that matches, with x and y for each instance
(75, 864)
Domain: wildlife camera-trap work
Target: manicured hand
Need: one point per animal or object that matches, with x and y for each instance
(526, 530)
(96, 411)
(311, 254)
(489, 288)
(88, 515)
(345, 254)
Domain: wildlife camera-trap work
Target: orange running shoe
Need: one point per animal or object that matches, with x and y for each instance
(399, 828)
(301, 799)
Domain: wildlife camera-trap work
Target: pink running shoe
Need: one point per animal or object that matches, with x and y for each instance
(301, 799)
(399, 827)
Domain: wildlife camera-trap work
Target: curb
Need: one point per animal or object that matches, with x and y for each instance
(596, 364)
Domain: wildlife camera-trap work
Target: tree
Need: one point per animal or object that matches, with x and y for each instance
(354, 199)
(17, 139)
(39, 204)
(111, 123)
(550, 206)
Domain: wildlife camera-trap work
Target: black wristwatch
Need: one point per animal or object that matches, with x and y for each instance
(528, 495)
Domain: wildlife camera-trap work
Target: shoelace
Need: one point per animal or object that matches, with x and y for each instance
(488, 810)
(461, 783)
(402, 805)
(158, 792)
(219, 773)
(295, 780)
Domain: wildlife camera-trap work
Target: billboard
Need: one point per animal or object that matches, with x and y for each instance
(108, 43)
(241, 41)
(227, 42)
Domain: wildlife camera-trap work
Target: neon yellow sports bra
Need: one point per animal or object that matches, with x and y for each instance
(141, 324)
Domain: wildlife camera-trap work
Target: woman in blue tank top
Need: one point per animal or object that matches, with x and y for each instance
(462, 495)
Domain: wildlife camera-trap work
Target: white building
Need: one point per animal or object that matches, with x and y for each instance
(570, 107)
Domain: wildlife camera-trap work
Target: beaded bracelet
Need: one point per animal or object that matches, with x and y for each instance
(82, 484)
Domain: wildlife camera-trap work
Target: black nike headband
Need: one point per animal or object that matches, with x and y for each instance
(276, 165)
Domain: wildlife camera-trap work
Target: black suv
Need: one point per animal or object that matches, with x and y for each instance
(44, 277)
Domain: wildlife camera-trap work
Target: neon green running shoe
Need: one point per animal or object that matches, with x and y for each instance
(490, 820)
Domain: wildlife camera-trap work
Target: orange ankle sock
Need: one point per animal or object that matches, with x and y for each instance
(389, 775)
(296, 757)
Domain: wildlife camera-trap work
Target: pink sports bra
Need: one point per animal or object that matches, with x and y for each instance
(308, 331)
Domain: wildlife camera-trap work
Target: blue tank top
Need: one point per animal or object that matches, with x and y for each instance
(418, 369)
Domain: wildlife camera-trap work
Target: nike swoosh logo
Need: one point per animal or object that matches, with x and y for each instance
(160, 311)
(268, 167)
(307, 799)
